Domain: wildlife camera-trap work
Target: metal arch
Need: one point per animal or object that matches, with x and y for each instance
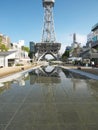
(44, 54)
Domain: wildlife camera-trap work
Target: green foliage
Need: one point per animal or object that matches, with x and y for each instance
(19, 64)
(25, 48)
(30, 55)
(97, 48)
(0, 40)
(2, 46)
(65, 54)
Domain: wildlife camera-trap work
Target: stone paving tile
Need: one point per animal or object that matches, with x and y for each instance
(32, 107)
(35, 96)
(1, 106)
(89, 117)
(33, 127)
(11, 96)
(33, 99)
(5, 117)
(87, 113)
(95, 107)
(64, 107)
(2, 126)
(9, 107)
(68, 117)
(92, 127)
(35, 118)
(51, 107)
(72, 127)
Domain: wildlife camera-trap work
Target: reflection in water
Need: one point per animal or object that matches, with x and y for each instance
(51, 76)
(93, 88)
(54, 75)
(1, 84)
(5, 86)
(47, 75)
(20, 81)
(51, 97)
(76, 79)
(69, 74)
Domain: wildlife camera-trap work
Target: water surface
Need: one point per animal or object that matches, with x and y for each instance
(49, 98)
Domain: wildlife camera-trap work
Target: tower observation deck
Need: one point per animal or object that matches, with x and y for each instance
(48, 43)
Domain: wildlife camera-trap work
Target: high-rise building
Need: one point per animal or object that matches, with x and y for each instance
(92, 37)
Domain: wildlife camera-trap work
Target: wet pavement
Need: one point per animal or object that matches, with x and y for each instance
(49, 99)
(83, 73)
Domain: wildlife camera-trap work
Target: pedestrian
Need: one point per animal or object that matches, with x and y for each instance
(92, 63)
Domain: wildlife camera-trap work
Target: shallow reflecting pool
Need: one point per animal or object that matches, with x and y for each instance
(49, 98)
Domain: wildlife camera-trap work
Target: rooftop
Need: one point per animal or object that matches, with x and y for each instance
(5, 53)
(94, 27)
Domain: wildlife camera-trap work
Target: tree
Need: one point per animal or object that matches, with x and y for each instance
(24, 48)
(65, 55)
(2, 46)
(30, 55)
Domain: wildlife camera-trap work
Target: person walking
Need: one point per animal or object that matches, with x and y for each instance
(92, 63)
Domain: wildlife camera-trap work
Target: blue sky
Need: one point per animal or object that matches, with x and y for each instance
(23, 19)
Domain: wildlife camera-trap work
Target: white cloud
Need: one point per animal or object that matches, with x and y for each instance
(81, 39)
(67, 39)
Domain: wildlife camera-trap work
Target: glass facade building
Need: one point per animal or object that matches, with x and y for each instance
(93, 36)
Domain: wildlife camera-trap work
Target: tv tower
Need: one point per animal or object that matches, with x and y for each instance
(48, 45)
(48, 29)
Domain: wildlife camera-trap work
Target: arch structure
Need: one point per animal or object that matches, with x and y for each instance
(48, 43)
(43, 49)
(46, 53)
(54, 72)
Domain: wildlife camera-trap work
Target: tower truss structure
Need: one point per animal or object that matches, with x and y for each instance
(48, 45)
(48, 29)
